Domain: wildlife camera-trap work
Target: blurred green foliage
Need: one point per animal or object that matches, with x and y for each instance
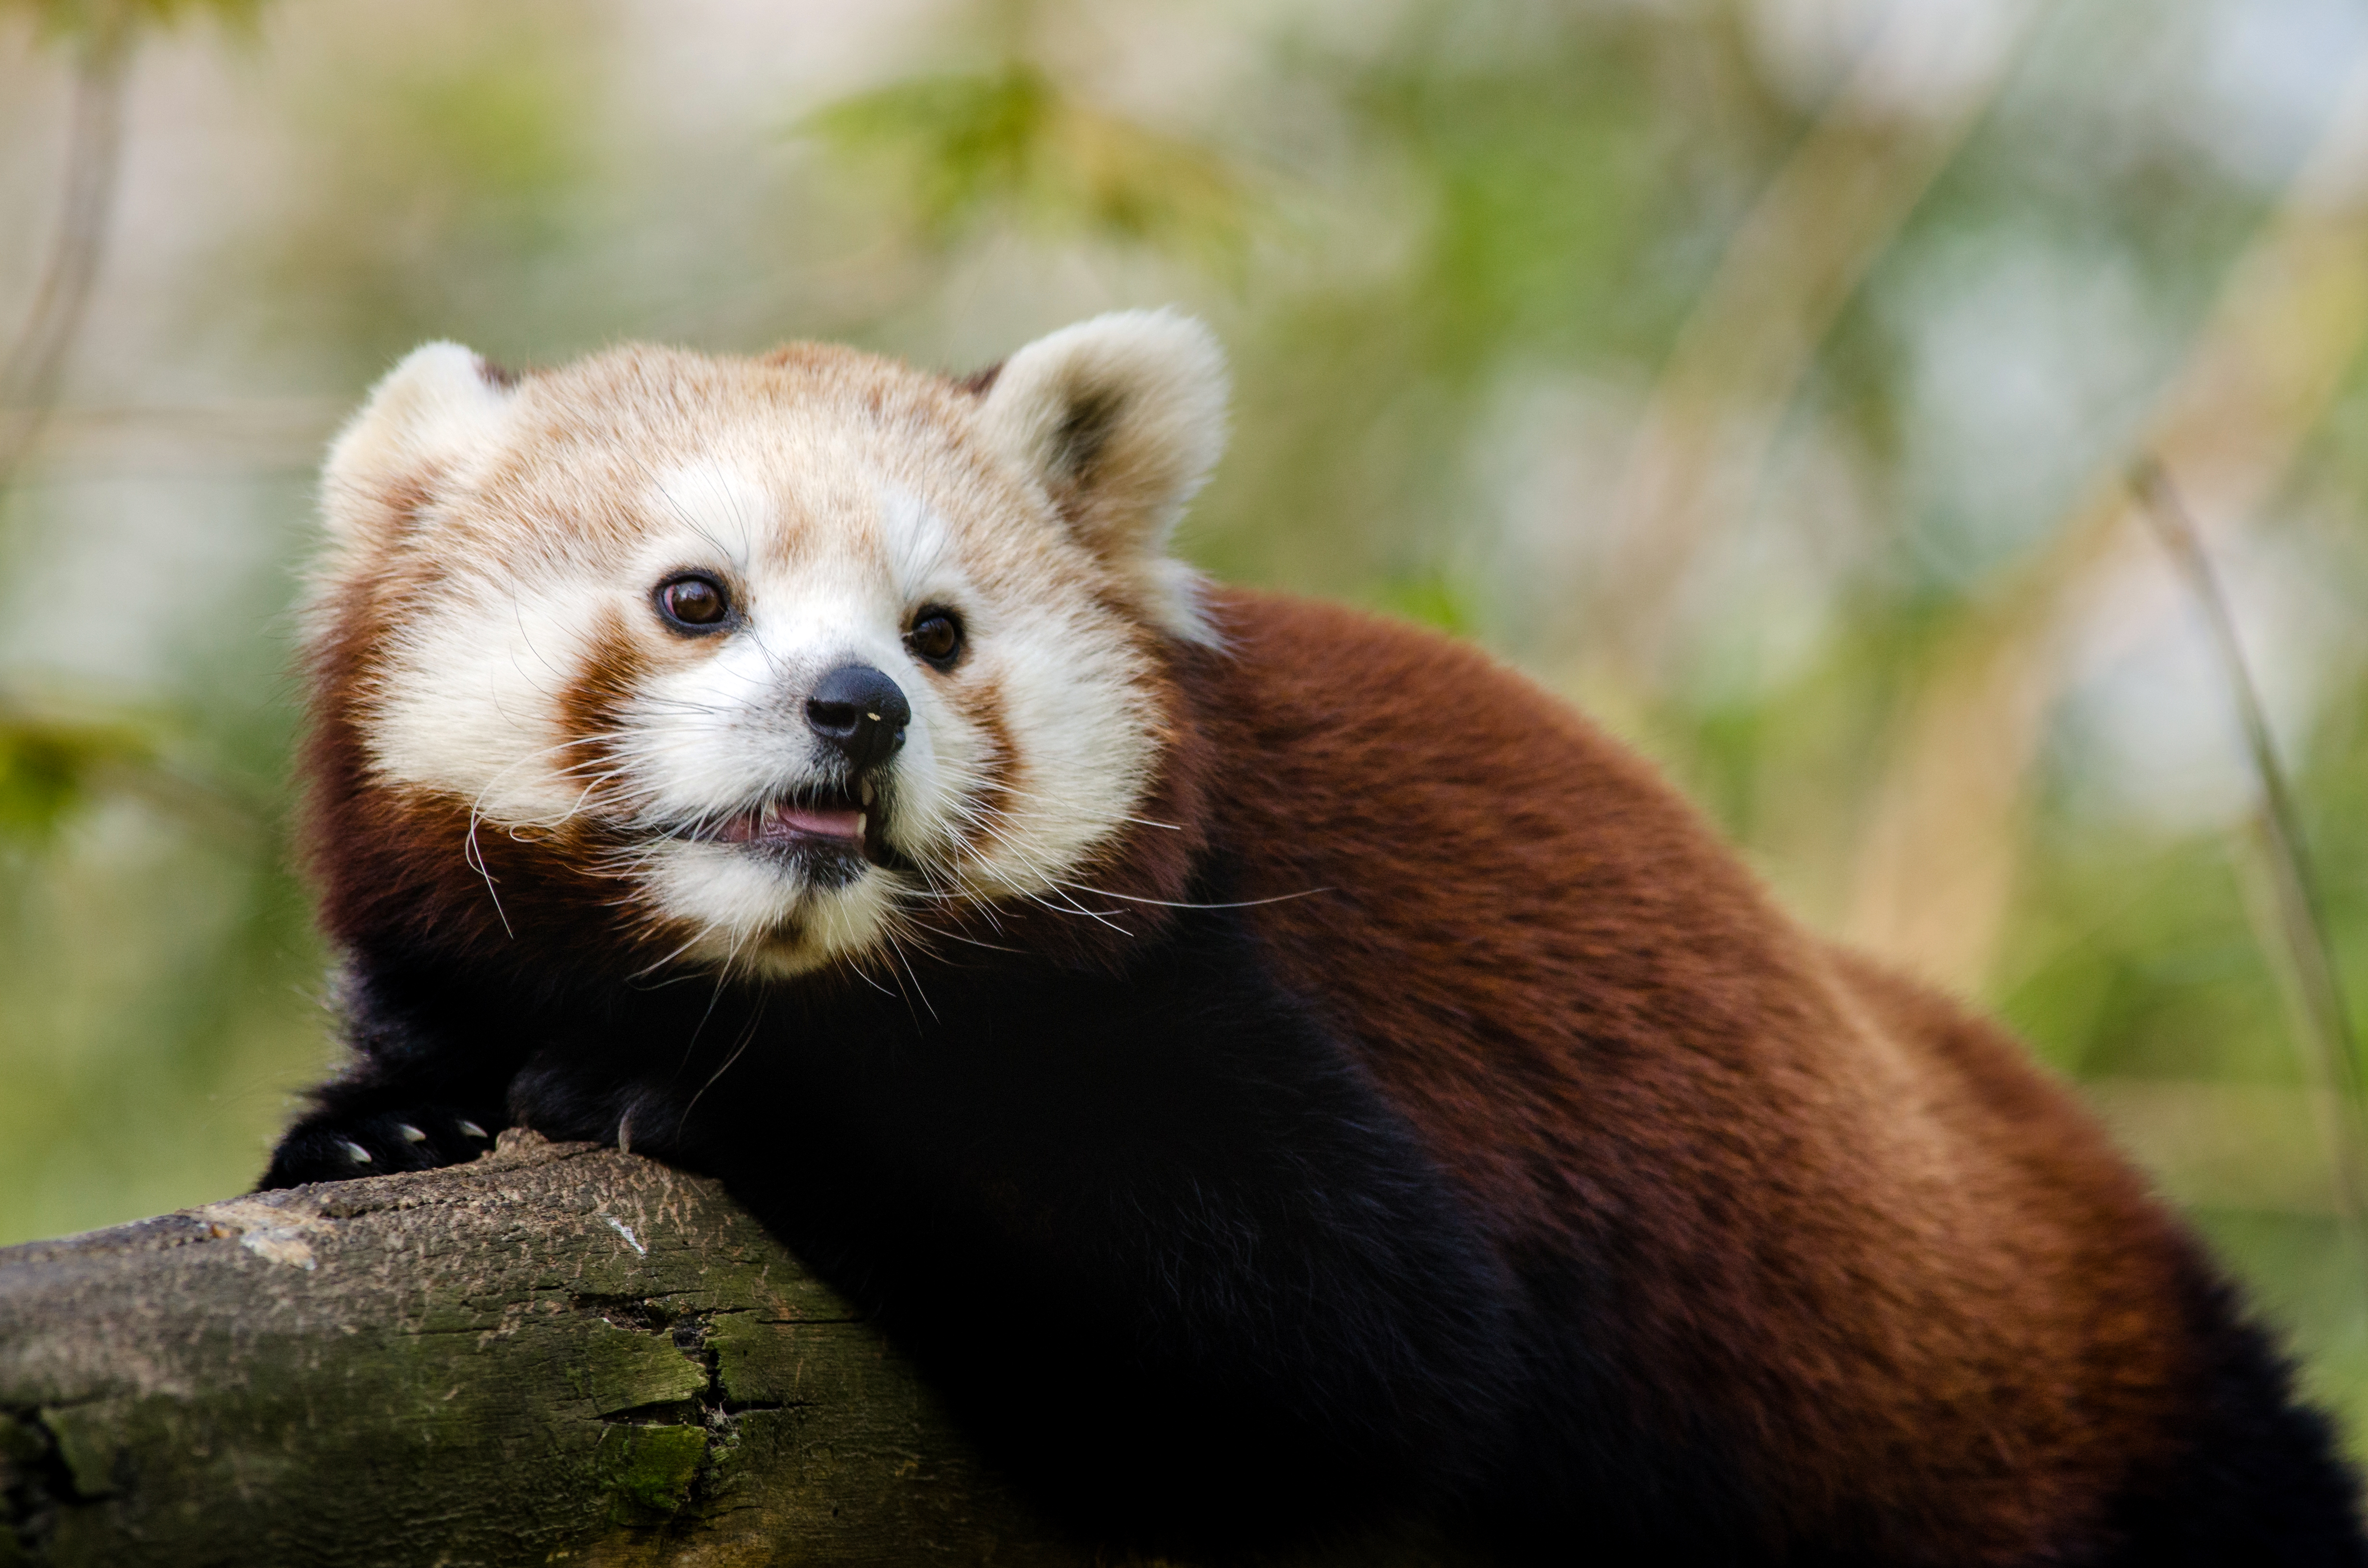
(1012, 145)
(47, 766)
(83, 20)
(1451, 248)
(433, 190)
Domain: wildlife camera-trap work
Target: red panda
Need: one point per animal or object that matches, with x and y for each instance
(1282, 1072)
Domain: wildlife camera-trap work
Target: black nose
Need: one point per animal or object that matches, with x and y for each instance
(860, 711)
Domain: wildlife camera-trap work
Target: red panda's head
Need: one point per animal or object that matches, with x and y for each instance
(752, 663)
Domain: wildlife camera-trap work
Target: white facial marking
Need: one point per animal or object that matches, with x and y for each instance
(470, 702)
(914, 544)
(718, 504)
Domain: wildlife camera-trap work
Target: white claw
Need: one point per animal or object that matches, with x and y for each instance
(472, 1129)
(357, 1154)
(410, 1134)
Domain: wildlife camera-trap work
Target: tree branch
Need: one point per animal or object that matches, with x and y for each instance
(35, 366)
(557, 1353)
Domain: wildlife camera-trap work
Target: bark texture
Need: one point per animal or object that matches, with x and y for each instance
(557, 1354)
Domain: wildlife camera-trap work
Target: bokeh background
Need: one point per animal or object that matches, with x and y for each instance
(1766, 375)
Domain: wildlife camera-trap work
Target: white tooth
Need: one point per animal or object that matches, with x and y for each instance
(860, 818)
(867, 792)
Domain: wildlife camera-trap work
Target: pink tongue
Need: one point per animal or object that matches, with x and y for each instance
(820, 823)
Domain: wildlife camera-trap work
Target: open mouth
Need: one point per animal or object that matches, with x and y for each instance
(832, 819)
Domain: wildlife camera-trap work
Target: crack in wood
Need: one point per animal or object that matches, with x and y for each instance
(35, 1482)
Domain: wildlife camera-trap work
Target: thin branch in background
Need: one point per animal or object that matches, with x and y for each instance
(35, 368)
(2301, 934)
(1819, 226)
(1939, 850)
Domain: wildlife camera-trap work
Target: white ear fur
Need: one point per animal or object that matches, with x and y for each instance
(1120, 418)
(430, 413)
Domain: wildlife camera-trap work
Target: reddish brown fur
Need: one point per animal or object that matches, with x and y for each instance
(1850, 1214)
(1132, 888)
(391, 859)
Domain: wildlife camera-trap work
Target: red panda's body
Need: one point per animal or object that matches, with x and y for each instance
(1853, 1216)
(1400, 1107)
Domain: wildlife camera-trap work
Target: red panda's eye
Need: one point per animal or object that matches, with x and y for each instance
(694, 604)
(936, 636)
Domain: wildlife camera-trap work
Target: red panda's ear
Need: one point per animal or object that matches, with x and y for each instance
(1119, 419)
(433, 411)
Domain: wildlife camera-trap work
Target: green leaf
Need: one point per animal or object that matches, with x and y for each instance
(1013, 142)
(48, 769)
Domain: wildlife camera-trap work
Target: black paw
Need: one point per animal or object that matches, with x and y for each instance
(342, 1147)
